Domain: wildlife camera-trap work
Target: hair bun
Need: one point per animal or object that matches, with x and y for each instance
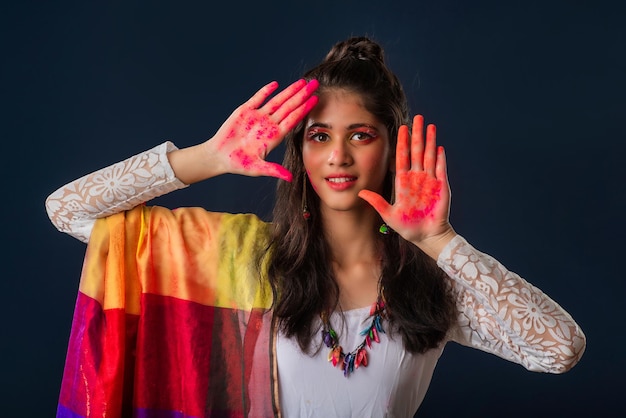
(359, 47)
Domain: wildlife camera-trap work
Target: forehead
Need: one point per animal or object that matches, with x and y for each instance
(341, 108)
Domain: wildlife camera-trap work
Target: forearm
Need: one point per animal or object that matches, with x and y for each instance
(240, 146)
(196, 163)
(74, 207)
(501, 313)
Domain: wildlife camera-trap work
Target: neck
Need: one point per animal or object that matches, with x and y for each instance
(352, 236)
(354, 245)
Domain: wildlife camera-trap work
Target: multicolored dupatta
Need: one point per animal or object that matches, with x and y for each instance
(172, 319)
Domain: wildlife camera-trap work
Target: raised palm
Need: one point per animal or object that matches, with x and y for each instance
(254, 128)
(422, 193)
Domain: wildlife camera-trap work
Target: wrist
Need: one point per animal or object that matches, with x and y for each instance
(195, 163)
(433, 245)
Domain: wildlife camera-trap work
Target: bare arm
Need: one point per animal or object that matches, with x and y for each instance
(240, 146)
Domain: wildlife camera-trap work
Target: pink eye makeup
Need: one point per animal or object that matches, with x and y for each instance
(361, 133)
(365, 136)
(316, 134)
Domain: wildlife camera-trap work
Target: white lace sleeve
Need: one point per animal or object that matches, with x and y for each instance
(501, 313)
(74, 207)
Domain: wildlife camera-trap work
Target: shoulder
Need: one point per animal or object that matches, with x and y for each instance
(197, 222)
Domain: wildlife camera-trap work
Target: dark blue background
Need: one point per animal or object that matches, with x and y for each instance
(529, 102)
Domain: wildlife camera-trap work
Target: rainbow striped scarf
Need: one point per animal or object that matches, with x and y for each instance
(172, 319)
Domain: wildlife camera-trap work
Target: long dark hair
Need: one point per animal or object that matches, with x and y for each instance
(300, 273)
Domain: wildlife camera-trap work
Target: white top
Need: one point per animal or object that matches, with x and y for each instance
(392, 385)
(498, 311)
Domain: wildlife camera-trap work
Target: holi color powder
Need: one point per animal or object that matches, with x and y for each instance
(420, 194)
(243, 159)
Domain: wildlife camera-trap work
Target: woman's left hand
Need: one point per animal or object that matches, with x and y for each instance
(420, 213)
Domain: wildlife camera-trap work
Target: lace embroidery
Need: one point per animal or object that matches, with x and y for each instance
(74, 207)
(501, 313)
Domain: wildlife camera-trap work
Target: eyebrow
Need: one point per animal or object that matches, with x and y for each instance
(349, 127)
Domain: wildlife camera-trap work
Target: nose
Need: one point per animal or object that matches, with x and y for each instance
(340, 154)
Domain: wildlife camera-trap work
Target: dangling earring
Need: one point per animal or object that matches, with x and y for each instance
(305, 210)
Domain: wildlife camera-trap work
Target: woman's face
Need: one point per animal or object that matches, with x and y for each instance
(345, 150)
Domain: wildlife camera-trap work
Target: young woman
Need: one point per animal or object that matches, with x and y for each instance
(339, 307)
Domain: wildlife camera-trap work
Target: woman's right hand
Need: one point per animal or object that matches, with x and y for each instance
(244, 140)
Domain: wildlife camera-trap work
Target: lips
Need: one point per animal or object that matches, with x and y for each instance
(340, 182)
(340, 179)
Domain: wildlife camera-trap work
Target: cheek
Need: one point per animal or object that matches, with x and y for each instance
(377, 162)
(308, 175)
(310, 158)
(310, 166)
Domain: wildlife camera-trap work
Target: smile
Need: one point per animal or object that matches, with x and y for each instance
(341, 179)
(341, 183)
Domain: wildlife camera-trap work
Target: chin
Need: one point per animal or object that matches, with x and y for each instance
(358, 205)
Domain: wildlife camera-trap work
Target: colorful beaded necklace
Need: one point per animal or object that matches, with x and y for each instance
(357, 357)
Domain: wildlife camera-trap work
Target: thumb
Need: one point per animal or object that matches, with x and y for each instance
(275, 170)
(377, 201)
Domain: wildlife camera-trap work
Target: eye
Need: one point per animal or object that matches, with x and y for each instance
(361, 136)
(317, 136)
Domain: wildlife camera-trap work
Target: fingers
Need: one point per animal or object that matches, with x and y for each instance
(430, 152)
(402, 150)
(298, 114)
(377, 202)
(275, 102)
(417, 143)
(261, 95)
(441, 171)
(423, 155)
(289, 99)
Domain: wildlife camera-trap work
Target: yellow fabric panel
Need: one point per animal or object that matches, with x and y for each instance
(188, 253)
(109, 270)
(241, 270)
